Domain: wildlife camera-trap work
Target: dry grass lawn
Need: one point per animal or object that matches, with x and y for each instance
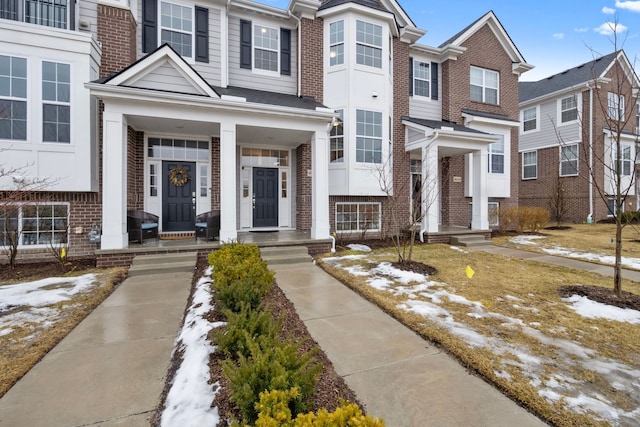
(26, 344)
(509, 323)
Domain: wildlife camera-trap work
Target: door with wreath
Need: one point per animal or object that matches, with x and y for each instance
(178, 196)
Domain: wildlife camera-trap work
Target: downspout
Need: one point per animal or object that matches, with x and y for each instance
(591, 153)
(423, 228)
(299, 58)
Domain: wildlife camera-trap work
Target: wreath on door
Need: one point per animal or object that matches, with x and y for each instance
(178, 176)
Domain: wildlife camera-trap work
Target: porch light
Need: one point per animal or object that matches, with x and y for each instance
(336, 122)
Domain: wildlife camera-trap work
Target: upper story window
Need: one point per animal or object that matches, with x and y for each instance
(529, 165)
(625, 164)
(421, 78)
(56, 102)
(568, 109)
(484, 85)
(265, 48)
(13, 98)
(638, 118)
(529, 119)
(368, 136)
(615, 105)
(336, 139)
(336, 43)
(184, 28)
(368, 44)
(569, 160)
(496, 157)
(176, 28)
(50, 13)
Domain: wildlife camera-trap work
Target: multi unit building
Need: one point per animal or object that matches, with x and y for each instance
(579, 128)
(278, 119)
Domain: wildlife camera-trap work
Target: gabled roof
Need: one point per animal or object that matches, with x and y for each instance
(374, 4)
(390, 6)
(440, 124)
(572, 77)
(490, 19)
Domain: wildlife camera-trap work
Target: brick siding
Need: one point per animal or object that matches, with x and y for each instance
(311, 52)
(303, 187)
(117, 34)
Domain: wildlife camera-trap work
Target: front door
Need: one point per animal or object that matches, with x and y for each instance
(178, 197)
(265, 197)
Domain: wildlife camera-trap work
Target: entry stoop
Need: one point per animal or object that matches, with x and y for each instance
(175, 262)
(470, 241)
(285, 254)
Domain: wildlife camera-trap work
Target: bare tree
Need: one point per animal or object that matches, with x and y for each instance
(558, 201)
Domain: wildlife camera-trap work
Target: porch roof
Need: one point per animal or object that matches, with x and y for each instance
(270, 98)
(441, 124)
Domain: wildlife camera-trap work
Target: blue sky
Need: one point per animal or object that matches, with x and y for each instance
(552, 35)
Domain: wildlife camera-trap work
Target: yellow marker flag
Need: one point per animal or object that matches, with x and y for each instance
(469, 272)
(63, 253)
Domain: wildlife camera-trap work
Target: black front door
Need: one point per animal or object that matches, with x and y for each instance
(178, 196)
(265, 197)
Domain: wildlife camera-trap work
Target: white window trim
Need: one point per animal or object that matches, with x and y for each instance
(490, 154)
(381, 138)
(497, 217)
(373, 46)
(342, 112)
(615, 104)
(613, 199)
(578, 97)
(29, 98)
(343, 43)
(190, 59)
(261, 71)
(523, 165)
(623, 160)
(537, 128)
(484, 85)
(565, 160)
(421, 97)
(22, 17)
(70, 104)
(359, 230)
(20, 219)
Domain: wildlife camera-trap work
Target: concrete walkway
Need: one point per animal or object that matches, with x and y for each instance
(110, 370)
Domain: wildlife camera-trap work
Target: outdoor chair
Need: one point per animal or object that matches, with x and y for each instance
(141, 225)
(208, 225)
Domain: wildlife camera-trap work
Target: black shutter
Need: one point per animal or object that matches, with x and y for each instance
(434, 81)
(410, 76)
(285, 51)
(245, 44)
(72, 14)
(202, 34)
(149, 21)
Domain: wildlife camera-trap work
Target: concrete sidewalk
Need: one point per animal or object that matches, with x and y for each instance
(110, 370)
(395, 373)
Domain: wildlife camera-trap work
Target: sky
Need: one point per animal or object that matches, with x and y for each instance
(551, 35)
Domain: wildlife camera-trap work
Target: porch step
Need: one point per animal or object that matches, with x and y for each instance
(470, 241)
(163, 263)
(285, 254)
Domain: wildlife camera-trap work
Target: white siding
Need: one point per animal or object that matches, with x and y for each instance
(423, 109)
(546, 136)
(87, 11)
(166, 77)
(248, 78)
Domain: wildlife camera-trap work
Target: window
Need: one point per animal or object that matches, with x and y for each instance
(178, 149)
(265, 41)
(637, 118)
(50, 13)
(56, 105)
(569, 160)
(625, 164)
(496, 157)
(176, 27)
(611, 206)
(615, 105)
(494, 214)
(368, 136)
(368, 44)
(153, 180)
(336, 139)
(336, 43)
(283, 184)
(357, 217)
(529, 119)
(35, 224)
(13, 98)
(530, 165)
(421, 78)
(204, 180)
(484, 85)
(568, 109)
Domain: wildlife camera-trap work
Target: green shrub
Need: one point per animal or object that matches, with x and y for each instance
(273, 411)
(271, 366)
(242, 327)
(239, 275)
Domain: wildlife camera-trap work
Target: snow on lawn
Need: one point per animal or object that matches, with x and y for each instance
(633, 263)
(29, 303)
(359, 248)
(189, 399)
(592, 309)
(426, 298)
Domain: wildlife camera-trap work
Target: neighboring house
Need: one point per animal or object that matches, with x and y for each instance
(280, 119)
(569, 123)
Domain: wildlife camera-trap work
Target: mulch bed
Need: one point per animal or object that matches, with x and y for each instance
(25, 271)
(602, 295)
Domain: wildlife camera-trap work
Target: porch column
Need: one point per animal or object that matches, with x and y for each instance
(479, 191)
(114, 180)
(430, 188)
(228, 224)
(320, 184)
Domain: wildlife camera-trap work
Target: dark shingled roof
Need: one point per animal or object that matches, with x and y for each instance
(489, 115)
(583, 73)
(374, 4)
(439, 124)
(270, 98)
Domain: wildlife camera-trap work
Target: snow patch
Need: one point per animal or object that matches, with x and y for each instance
(359, 248)
(596, 310)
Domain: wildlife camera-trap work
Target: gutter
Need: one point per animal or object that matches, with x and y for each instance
(298, 55)
(590, 153)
